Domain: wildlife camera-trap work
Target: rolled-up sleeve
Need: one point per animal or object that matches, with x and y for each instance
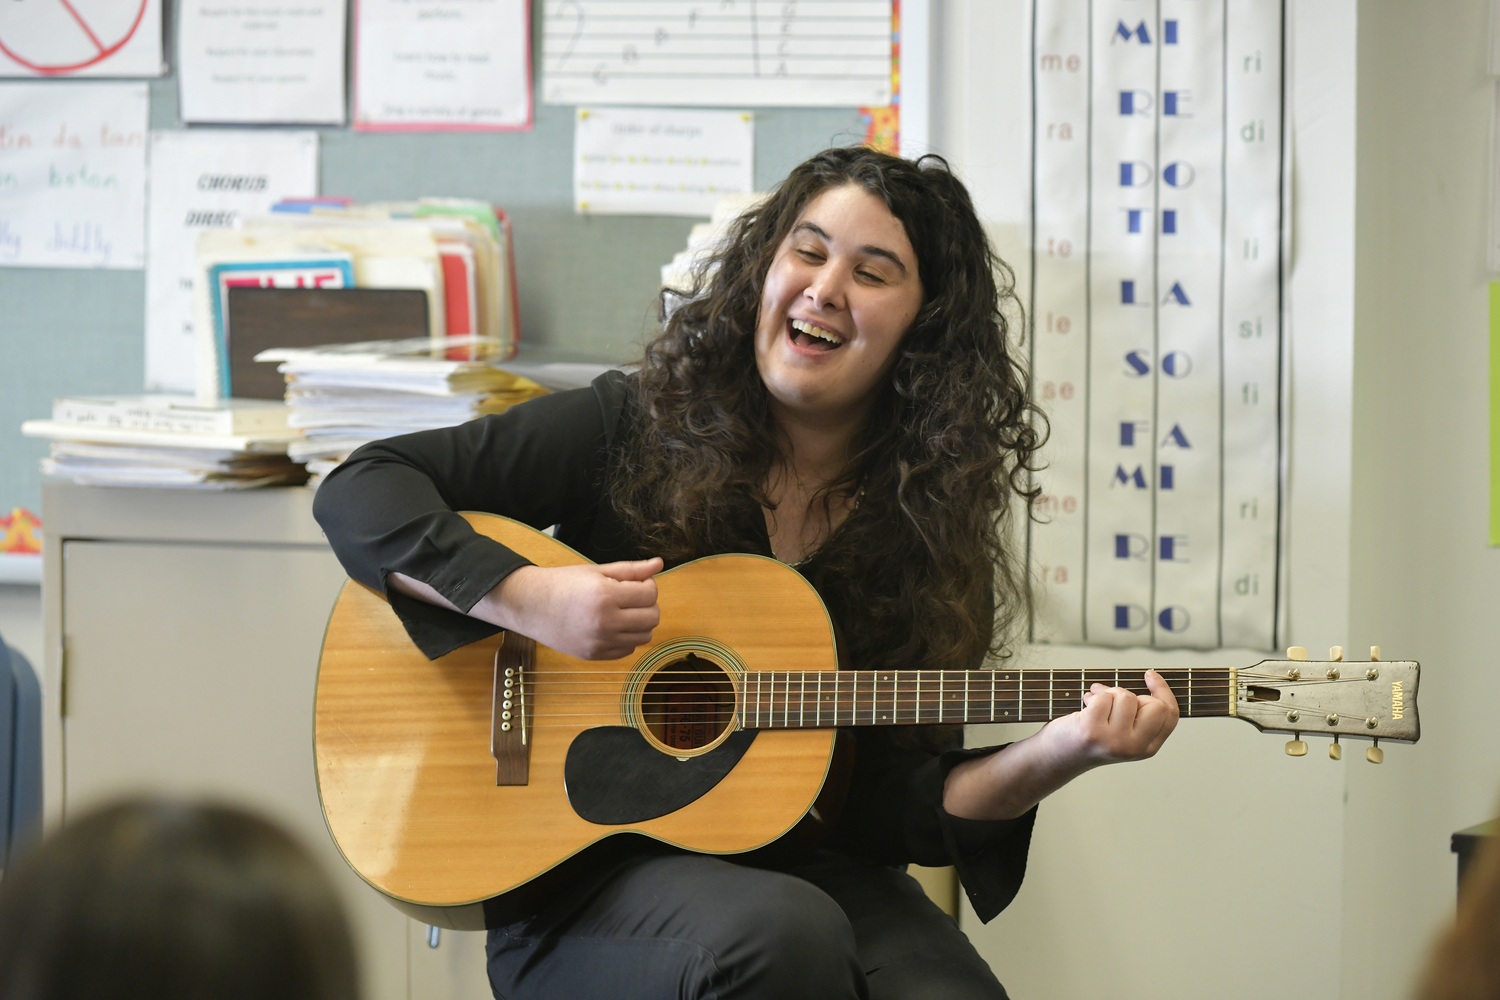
(391, 507)
(895, 815)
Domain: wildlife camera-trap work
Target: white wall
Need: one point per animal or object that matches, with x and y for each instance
(1216, 869)
(1423, 579)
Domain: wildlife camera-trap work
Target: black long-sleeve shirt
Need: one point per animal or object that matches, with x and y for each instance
(390, 508)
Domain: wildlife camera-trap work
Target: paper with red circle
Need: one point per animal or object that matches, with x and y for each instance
(53, 38)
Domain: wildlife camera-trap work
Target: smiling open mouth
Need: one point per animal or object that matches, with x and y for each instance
(805, 334)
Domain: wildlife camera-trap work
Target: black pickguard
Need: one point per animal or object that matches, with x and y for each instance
(614, 776)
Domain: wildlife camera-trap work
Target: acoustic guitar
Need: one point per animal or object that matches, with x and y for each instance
(478, 776)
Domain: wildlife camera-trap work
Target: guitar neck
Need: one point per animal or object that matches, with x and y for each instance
(812, 699)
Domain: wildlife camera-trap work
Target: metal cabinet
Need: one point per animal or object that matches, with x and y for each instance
(182, 634)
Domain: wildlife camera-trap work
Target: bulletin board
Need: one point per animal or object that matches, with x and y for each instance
(587, 284)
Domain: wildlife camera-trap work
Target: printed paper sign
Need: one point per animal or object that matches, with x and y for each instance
(450, 65)
(80, 38)
(201, 181)
(73, 174)
(651, 161)
(261, 62)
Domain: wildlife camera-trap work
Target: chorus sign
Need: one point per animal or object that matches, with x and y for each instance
(1156, 309)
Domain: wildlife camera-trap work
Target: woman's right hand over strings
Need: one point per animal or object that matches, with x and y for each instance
(593, 612)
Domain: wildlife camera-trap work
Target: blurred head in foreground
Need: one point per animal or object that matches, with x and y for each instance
(172, 901)
(1465, 965)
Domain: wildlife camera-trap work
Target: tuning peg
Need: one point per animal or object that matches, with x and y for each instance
(1296, 748)
(1335, 751)
(1296, 653)
(1375, 652)
(1375, 755)
(1335, 653)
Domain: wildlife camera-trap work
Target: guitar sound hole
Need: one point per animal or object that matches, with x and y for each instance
(688, 703)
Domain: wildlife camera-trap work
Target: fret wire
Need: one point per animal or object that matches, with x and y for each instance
(802, 700)
(1051, 678)
(966, 697)
(942, 676)
(917, 708)
(1190, 691)
(994, 679)
(786, 700)
(818, 711)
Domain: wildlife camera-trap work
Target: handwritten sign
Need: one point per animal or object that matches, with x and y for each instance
(449, 65)
(806, 53)
(73, 175)
(49, 38)
(658, 161)
(261, 63)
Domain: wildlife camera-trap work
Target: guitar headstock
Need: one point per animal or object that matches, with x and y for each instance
(1374, 699)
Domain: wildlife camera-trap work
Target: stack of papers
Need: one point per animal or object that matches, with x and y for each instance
(179, 468)
(345, 395)
(168, 441)
(456, 251)
(704, 239)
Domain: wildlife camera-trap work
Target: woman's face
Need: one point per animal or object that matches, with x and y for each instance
(841, 293)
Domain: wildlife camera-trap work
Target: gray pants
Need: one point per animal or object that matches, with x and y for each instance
(666, 926)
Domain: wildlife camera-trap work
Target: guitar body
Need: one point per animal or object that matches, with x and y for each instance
(403, 744)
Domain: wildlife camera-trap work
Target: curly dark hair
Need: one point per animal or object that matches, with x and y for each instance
(919, 574)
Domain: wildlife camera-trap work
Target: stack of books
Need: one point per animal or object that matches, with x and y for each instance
(456, 252)
(168, 441)
(344, 395)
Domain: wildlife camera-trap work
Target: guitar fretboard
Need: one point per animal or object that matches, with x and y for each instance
(796, 699)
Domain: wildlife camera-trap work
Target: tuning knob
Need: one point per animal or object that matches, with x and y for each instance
(1335, 751)
(1296, 748)
(1375, 755)
(1375, 653)
(1336, 653)
(1296, 653)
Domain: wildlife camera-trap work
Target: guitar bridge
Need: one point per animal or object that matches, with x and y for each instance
(511, 716)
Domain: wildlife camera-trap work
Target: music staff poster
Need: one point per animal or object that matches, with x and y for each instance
(1156, 320)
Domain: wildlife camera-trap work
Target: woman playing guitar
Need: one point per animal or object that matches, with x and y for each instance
(836, 393)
